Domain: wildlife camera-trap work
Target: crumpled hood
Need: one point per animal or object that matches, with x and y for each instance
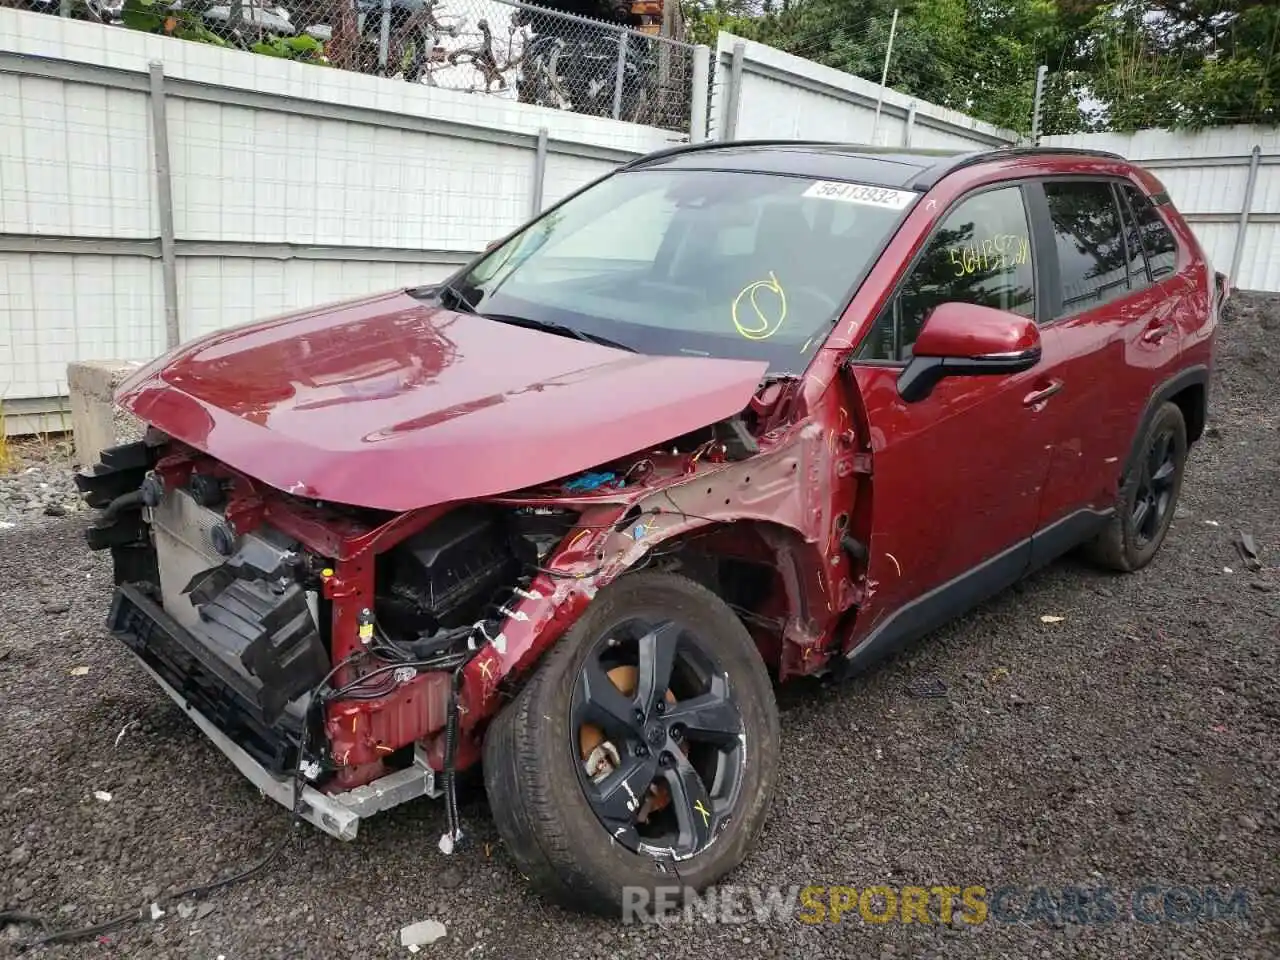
(391, 403)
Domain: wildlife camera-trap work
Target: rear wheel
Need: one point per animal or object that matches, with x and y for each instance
(642, 753)
(1148, 496)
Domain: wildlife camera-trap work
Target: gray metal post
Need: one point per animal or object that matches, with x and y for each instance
(1042, 71)
(698, 93)
(884, 77)
(384, 36)
(539, 173)
(729, 129)
(1255, 158)
(164, 204)
(620, 76)
(909, 129)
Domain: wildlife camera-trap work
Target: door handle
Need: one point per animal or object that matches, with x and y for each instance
(1157, 332)
(1037, 397)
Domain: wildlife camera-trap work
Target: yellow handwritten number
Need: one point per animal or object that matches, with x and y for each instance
(763, 328)
(997, 252)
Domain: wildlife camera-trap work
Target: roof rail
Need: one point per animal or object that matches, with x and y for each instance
(927, 178)
(860, 148)
(681, 148)
(948, 162)
(1049, 151)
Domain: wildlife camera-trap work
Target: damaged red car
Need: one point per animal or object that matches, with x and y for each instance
(732, 413)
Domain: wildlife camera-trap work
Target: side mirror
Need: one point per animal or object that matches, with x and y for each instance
(965, 340)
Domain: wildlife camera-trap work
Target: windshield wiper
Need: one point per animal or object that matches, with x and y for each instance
(560, 329)
(459, 299)
(460, 302)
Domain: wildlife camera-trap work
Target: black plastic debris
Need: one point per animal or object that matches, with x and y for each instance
(1248, 550)
(927, 688)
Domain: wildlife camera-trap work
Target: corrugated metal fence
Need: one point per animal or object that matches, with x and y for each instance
(1225, 181)
(760, 92)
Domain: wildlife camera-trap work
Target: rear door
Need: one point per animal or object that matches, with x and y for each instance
(1115, 330)
(958, 475)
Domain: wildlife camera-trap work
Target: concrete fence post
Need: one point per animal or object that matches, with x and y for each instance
(1255, 159)
(733, 102)
(164, 206)
(910, 126)
(699, 93)
(384, 36)
(1042, 72)
(620, 74)
(539, 173)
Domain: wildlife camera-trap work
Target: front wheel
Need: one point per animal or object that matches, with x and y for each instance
(641, 754)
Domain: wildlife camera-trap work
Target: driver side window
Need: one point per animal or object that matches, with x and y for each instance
(981, 254)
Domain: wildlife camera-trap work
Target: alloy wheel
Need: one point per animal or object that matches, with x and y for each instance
(1153, 500)
(660, 740)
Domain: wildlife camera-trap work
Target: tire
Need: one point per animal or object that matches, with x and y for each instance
(534, 771)
(1130, 540)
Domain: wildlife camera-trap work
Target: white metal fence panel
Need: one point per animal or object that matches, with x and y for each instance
(55, 307)
(1208, 175)
(60, 172)
(291, 185)
(779, 95)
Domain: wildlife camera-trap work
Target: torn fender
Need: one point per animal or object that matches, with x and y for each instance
(793, 516)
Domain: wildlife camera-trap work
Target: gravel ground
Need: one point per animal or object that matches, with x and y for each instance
(37, 483)
(1136, 740)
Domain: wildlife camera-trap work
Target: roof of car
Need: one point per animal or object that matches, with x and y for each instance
(885, 166)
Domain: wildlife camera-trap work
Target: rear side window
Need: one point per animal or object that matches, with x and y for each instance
(1157, 239)
(980, 253)
(1092, 258)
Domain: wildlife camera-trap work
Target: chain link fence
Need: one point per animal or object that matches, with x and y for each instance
(502, 48)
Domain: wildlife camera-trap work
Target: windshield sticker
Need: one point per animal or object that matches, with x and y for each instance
(860, 193)
(997, 252)
(768, 315)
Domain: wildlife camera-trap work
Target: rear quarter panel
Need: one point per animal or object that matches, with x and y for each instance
(1198, 314)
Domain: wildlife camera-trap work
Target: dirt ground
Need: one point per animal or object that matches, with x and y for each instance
(1134, 741)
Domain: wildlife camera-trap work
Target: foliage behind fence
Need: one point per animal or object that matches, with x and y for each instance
(502, 48)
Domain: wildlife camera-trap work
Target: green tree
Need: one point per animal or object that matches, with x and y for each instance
(1180, 63)
(1118, 65)
(977, 56)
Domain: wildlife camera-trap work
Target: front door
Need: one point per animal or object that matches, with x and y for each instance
(958, 475)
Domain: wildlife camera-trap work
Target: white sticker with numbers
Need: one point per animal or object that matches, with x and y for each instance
(861, 193)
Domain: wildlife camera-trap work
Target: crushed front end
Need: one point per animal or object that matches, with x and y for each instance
(322, 648)
(350, 658)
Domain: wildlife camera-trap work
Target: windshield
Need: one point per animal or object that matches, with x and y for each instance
(700, 262)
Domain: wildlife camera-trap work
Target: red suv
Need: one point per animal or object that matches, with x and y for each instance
(732, 410)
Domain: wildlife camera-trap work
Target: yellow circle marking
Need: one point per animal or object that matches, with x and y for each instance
(763, 328)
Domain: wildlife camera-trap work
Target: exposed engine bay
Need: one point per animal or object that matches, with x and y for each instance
(258, 600)
(435, 586)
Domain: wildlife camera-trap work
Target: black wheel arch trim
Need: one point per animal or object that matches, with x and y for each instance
(1197, 376)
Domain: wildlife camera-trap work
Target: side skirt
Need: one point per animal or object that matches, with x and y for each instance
(964, 592)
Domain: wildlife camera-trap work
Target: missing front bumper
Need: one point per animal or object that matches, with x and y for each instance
(210, 687)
